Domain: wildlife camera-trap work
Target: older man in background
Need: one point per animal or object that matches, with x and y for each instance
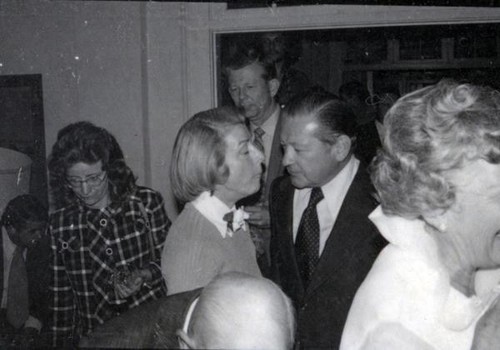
(253, 85)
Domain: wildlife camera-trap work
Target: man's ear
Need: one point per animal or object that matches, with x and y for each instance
(274, 85)
(342, 147)
(185, 341)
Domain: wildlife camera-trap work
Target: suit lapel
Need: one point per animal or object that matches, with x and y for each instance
(285, 219)
(275, 166)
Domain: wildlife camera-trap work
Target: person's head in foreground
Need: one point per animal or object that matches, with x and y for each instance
(214, 152)
(25, 219)
(238, 311)
(87, 165)
(441, 164)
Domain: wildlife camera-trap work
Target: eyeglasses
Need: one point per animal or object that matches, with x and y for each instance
(92, 180)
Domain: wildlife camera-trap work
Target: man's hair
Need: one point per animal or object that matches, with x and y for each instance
(430, 132)
(84, 142)
(240, 55)
(354, 89)
(237, 308)
(334, 117)
(23, 209)
(198, 158)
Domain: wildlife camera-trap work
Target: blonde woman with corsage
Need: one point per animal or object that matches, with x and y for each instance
(214, 165)
(438, 178)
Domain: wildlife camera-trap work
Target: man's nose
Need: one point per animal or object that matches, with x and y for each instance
(287, 157)
(242, 94)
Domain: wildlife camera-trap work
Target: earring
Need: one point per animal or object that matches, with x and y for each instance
(442, 227)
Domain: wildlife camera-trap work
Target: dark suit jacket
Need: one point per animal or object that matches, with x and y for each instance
(37, 267)
(368, 141)
(349, 252)
(149, 326)
(275, 169)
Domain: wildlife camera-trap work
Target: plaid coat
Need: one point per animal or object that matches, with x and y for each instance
(89, 247)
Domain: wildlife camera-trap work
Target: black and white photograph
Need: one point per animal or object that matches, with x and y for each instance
(250, 174)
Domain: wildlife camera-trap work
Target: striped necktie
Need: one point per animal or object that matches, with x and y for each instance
(258, 141)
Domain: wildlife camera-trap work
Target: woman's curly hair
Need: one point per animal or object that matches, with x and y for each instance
(84, 142)
(428, 133)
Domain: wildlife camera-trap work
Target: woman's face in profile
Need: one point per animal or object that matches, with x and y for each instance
(89, 183)
(475, 215)
(244, 161)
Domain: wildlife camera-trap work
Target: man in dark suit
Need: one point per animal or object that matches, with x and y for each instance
(24, 271)
(253, 85)
(322, 243)
(234, 311)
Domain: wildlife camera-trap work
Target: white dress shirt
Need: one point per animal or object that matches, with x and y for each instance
(328, 208)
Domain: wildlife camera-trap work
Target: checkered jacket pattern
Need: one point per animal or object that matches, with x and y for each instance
(89, 247)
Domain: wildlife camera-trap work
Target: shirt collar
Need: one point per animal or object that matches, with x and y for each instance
(213, 209)
(189, 315)
(270, 124)
(338, 186)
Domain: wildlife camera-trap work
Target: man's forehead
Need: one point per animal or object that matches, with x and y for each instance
(299, 127)
(301, 123)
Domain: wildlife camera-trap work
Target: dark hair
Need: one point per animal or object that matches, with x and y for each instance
(354, 89)
(84, 142)
(241, 54)
(23, 209)
(332, 114)
(291, 42)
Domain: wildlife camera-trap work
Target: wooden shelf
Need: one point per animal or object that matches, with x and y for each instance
(427, 65)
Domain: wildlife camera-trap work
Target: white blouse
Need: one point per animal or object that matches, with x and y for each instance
(406, 301)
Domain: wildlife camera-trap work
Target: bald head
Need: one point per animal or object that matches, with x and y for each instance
(238, 311)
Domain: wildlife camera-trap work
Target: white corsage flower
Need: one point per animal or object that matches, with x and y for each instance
(236, 220)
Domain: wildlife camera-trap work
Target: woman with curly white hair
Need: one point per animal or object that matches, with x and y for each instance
(438, 179)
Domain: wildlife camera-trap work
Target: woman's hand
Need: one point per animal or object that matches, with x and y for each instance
(133, 283)
(487, 334)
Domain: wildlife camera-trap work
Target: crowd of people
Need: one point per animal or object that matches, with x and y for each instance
(293, 234)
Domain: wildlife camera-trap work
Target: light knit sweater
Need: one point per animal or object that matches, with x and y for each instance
(195, 252)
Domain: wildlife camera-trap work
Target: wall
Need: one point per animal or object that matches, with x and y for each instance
(140, 69)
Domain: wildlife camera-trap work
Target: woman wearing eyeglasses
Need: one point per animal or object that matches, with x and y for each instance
(107, 233)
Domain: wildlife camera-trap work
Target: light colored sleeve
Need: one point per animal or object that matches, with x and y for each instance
(393, 336)
(187, 265)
